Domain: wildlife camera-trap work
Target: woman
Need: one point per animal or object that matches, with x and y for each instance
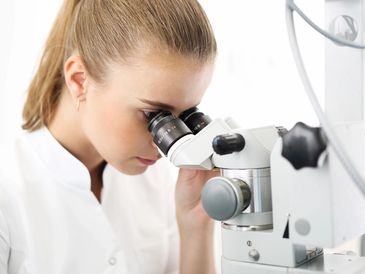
(76, 195)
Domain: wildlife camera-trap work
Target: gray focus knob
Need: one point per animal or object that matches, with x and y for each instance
(223, 198)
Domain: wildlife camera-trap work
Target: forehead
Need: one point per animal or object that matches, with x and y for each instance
(172, 79)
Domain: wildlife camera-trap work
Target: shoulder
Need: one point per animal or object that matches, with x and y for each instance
(15, 158)
(9, 177)
(7, 162)
(11, 156)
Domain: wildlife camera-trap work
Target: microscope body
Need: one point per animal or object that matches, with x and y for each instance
(313, 208)
(256, 235)
(275, 218)
(252, 235)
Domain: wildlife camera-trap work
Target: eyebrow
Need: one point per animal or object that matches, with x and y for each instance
(161, 105)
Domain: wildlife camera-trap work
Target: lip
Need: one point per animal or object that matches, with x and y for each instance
(146, 162)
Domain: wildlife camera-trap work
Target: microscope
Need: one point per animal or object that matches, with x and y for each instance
(282, 195)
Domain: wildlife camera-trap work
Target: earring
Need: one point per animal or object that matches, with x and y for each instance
(80, 98)
(78, 104)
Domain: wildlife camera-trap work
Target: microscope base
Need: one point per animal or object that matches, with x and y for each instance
(326, 264)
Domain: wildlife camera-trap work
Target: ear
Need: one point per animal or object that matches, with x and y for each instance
(75, 77)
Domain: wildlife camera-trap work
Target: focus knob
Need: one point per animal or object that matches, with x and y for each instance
(224, 198)
(303, 145)
(228, 143)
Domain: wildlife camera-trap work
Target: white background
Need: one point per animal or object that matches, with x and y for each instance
(255, 81)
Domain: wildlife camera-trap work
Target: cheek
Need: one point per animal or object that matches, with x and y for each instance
(116, 132)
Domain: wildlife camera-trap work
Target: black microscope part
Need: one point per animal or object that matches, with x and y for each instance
(166, 130)
(228, 143)
(303, 145)
(154, 118)
(151, 114)
(195, 119)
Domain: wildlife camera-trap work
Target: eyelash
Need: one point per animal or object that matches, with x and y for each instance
(152, 111)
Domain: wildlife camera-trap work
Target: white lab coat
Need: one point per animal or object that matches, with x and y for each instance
(51, 223)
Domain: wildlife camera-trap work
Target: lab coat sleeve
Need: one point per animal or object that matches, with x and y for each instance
(173, 232)
(4, 244)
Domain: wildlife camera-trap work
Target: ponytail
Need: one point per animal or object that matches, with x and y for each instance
(45, 88)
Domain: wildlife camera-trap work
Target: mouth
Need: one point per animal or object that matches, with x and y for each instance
(146, 161)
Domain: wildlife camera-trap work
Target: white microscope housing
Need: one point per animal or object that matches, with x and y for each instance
(274, 214)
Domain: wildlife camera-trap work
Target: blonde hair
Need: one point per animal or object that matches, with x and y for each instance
(103, 31)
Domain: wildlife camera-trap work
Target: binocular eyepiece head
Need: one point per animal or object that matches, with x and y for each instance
(194, 119)
(166, 129)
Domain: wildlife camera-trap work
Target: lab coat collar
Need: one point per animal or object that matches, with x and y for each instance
(60, 162)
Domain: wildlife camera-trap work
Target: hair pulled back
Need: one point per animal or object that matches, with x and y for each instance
(104, 31)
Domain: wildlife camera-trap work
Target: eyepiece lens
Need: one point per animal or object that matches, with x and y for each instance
(166, 129)
(150, 115)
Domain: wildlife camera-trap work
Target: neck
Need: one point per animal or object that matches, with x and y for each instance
(67, 130)
(97, 180)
